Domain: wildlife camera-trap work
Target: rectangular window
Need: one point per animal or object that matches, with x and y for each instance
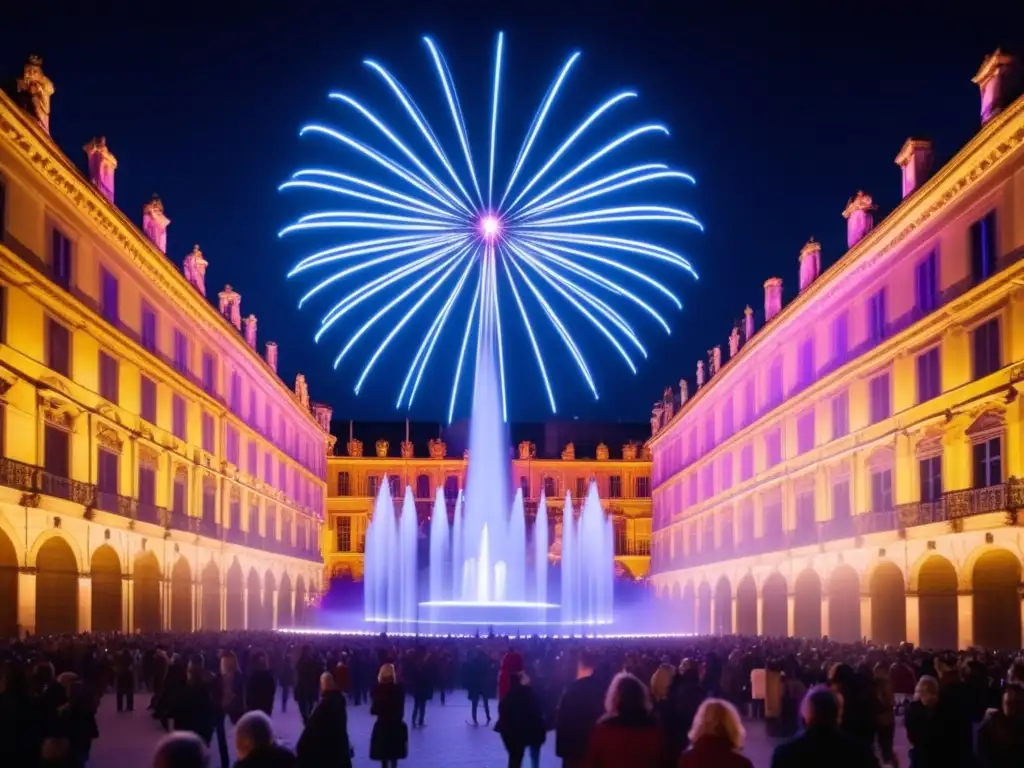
(773, 447)
(268, 469)
(841, 500)
(581, 487)
(148, 327)
(615, 487)
(929, 381)
(209, 373)
(805, 512)
(747, 462)
(178, 418)
(880, 397)
(231, 447)
(147, 393)
(983, 247)
(692, 490)
(209, 500)
(106, 479)
(841, 415)
(775, 382)
(988, 463)
(772, 518)
(693, 446)
(109, 296)
(236, 392)
(208, 436)
(727, 424)
(60, 259)
(709, 433)
(252, 408)
(179, 501)
(268, 421)
(749, 404)
(56, 451)
(252, 462)
(805, 431)
(58, 348)
(643, 488)
(727, 472)
(840, 338)
(881, 490)
(344, 534)
(707, 482)
(180, 351)
(876, 317)
(806, 363)
(931, 479)
(147, 485)
(372, 486)
(986, 353)
(108, 378)
(271, 522)
(926, 284)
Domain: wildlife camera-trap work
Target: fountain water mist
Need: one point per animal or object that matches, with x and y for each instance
(540, 550)
(438, 543)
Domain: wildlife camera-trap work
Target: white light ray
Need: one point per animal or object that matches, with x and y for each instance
(573, 199)
(621, 244)
(497, 324)
(465, 340)
(494, 115)
(388, 191)
(297, 184)
(533, 339)
(621, 213)
(529, 209)
(361, 248)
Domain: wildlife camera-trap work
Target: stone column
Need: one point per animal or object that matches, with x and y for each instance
(245, 605)
(197, 603)
(760, 613)
(84, 602)
(913, 618)
(128, 603)
(222, 592)
(273, 619)
(790, 613)
(26, 601)
(824, 612)
(865, 617)
(965, 619)
(165, 603)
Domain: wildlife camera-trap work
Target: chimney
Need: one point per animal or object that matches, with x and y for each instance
(772, 297)
(995, 80)
(858, 218)
(272, 355)
(748, 324)
(230, 305)
(250, 331)
(915, 159)
(195, 269)
(810, 263)
(322, 413)
(154, 223)
(38, 89)
(101, 166)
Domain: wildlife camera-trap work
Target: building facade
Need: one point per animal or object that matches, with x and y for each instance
(853, 467)
(354, 480)
(156, 473)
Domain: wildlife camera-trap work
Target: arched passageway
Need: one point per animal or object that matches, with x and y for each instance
(723, 607)
(844, 605)
(689, 608)
(56, 588)
(673, 608)
(181, 596)
(253, 604)
(704, 608)
(300, 602)
(146, 596)
(746, 606)
(105, 567)
(888, 605)
(269, 595)
(775, 607)
(210, 583)
(807, 597)
(937, 608)
(996, 585)
(234, 608)
(8, 587)
(285, 617)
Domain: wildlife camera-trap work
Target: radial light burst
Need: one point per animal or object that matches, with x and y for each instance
(436, 226)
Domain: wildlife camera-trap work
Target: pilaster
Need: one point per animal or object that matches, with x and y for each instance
(965, 619)
(26, 601)
(84, 603)
(760, 613)
(866, 629)
(955, 358)
(790, 615)
(128, 603)
(904, 382)
(913, 630)
(906, 486)
(826, 629)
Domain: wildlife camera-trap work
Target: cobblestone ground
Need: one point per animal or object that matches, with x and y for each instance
(447, 741)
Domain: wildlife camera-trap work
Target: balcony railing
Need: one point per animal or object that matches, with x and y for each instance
(639, 548)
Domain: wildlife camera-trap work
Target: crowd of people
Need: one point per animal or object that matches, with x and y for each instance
(654, 703)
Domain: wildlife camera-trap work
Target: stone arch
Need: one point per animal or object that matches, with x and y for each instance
(285, 617)
(105, 567)
(704, 608)
(8, 586)
(775, 606)
(269, 594)
(746, 606)
(937, 603)
(253, 604)
(888, 604)
(300, 601)
(146, 603)
(43, 538)
(181, 596)
(210, 609)
(56, 587)
(844, 604)
(723, 607)
(234, 612)
(807, 596)
(689, 608)
(996, 583)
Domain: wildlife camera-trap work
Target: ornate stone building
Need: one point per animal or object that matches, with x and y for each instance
(354, 479)
(854, 468)
(155, 470)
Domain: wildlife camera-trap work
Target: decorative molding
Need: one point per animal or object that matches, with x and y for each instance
(148, 457)
(437, 448)
(382, 448)
(109, 438)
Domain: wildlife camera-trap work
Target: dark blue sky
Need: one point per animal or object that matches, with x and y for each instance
(781, 116)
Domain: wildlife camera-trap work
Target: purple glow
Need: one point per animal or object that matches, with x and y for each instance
(490, 227)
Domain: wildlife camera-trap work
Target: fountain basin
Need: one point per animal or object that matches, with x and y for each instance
(488, 613)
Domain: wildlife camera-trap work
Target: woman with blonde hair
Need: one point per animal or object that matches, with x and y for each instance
(666, 712)
(628, 734)
(716, 738)
(389, 741)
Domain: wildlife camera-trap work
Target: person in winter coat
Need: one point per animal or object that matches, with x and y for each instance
(885, 713)
(512, 663)
(578, 711)
(521, 721)
(260, 685)
(255, 744)
(686, 694)
(229, 699)
(716, 739)
(195, 709)
(476, 675)
(307, 681)
(627, 734)
(822, 743)
(921, 724)
(324, 741)
(389, 741)
(1001, 735)
(673, 735)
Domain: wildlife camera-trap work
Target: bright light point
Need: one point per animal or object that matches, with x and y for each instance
(490, 227)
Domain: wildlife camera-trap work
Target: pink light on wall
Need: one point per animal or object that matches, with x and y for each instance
(859, 220)
(102, 165)
(915, 161)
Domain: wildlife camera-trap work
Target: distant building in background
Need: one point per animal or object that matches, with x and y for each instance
(431, 459)
(855, 467)
(156, 473)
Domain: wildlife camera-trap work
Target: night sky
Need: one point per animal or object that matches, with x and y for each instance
(781, 116)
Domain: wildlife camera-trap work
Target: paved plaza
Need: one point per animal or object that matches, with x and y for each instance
(447, 740)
